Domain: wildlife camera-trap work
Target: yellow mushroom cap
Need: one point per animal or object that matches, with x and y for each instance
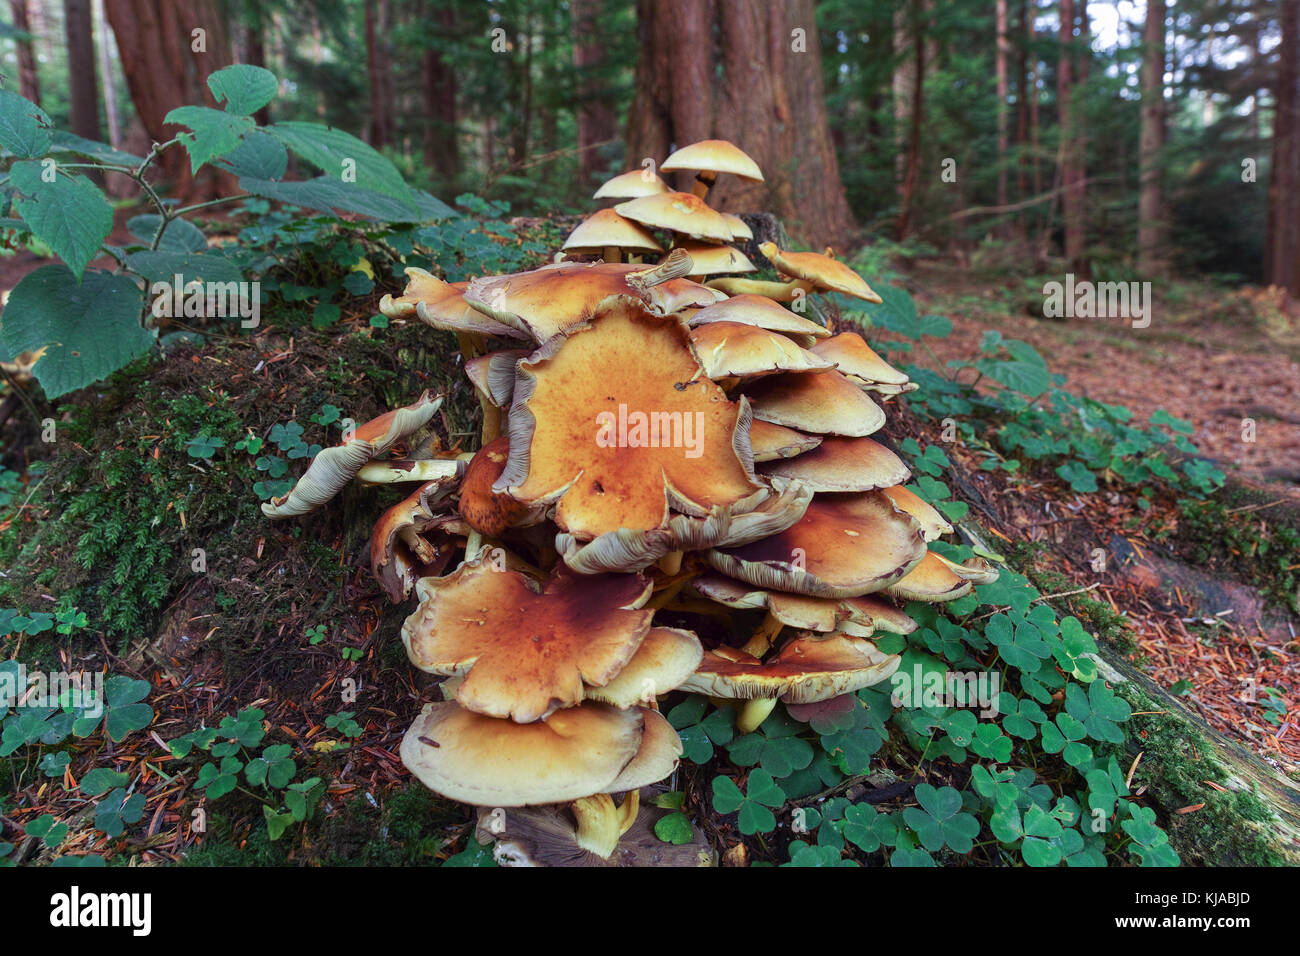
(709, 259)
(858, 360)
(823, 271)
(845, 545)
(607, 228)
(679, 212)
(631, 185)
(843, 464)
(493, 762)
(806, 670)
(714, 156)
(826, 403)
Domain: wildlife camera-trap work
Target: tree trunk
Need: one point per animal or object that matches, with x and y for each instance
(1072, 199)
(1000, 73)
(379, 72)
(904, 86)
(111, 113)
(1023, 93)
(28, 81)
(1282, 245)
(1031, 34)
(748, 72)
(1151, 227)
(520, 135)
(912, 167)
(596, 120)
(83, 92)
(167, 51)
(441, 147)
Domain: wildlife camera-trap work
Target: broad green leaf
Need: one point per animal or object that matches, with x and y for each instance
(181, 235)
(343, 157)
(327, 194)
(243, 88)
(24, 126)
(165, 266)
(66, 212)
(213, 132)
(259, 157)
(88, 330)
(100, 152)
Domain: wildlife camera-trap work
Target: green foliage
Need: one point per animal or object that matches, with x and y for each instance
(1022, 414)
(232, 745)
(92, 324)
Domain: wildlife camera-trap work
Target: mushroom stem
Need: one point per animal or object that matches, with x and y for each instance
(760, 642)
(419, 547)
(472, 345)
(704, 181)
(668, 594)
(613, 254)
(601, 823)
(776, 291)
(753, 713)
(671, 562)
(473, 544)
(391, 471)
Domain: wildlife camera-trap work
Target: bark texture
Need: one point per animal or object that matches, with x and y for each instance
(748, 72)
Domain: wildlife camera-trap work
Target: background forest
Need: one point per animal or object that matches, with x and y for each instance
(1131, 138)
(1136, 483)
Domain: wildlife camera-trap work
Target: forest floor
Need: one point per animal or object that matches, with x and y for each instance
(1205, 358)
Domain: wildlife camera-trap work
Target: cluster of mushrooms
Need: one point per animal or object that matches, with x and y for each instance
(658, 446)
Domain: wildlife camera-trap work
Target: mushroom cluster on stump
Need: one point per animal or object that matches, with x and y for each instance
(652, 448)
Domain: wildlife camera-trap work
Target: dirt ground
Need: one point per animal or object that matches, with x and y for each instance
(1197, 360)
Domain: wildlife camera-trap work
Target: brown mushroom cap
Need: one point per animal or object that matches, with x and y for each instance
(334, 467)
(607, 228)
(442, 305)
(826, 404)
(677, 212)
(486, 510)
(843, 546)
(931, 581)
(856, 616)
(715, 156)
(492, 762)
(739, 228)
(825, 273)
(762, 312)
(524, 649)
(556, 298)
(772, 442)
(630, 185)
(806, 670)
(656, 758)
(421, 284)
(630, 550)
(858, 360)
(933, 524)
(617, 420)
(710, 260)
(665, 658)
(843, 464)
(734, 348)
(392, 561)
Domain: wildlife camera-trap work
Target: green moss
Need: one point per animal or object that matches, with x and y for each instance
(1176, 760)
(1253, 546)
